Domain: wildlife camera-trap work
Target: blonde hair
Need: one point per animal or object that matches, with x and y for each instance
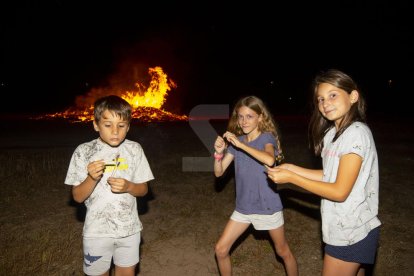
(267, 124)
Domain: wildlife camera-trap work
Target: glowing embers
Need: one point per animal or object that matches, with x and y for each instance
(146, 102)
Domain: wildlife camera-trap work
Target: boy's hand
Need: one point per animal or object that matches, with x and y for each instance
(118, 185)
(96, 169)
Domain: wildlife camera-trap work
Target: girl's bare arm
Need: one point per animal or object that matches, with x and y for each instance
(266, 156)
(349, 166)
(220, 166)
(307, 173)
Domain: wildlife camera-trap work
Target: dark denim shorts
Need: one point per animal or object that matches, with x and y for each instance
(362, 252)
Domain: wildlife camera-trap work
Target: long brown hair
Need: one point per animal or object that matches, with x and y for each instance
(267, 124)
(319, 125)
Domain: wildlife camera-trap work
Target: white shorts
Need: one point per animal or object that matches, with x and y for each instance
(99, 252)
(260, 222)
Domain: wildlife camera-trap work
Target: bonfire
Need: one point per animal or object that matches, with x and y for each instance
(146, 102)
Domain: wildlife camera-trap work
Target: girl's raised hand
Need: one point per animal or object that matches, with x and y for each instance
(219, 145)
(232, 138)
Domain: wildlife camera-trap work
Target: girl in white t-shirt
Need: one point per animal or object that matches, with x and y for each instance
(348, 182)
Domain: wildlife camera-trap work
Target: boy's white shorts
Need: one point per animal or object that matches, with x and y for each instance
(260, 222)
(99, 252)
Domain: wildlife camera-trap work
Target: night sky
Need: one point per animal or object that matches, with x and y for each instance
(53, 51)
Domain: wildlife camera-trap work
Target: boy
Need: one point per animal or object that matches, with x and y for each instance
(107, 174)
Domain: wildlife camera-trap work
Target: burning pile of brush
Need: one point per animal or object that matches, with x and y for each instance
(146, 102)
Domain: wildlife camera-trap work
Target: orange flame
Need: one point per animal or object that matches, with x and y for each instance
(146, 103)
(156, 92)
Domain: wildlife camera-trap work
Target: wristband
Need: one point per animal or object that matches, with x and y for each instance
(218, 156)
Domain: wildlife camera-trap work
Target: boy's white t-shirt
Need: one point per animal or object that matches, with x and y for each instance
(345, 223)
(110, 214)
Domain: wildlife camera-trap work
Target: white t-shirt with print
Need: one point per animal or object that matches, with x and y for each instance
(110, 214)
(345, 223)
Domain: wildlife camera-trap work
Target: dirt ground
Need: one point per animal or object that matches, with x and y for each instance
(187, 207)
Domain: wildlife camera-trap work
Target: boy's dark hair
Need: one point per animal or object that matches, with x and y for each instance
(113, 104)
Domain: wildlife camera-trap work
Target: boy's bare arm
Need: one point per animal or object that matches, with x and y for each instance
(82, 191)
(138, 189)
(95, 172)
(121, 185)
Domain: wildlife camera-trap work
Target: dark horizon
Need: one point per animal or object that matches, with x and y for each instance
(55, 51)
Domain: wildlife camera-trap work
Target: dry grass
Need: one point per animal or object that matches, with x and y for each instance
(185, 212)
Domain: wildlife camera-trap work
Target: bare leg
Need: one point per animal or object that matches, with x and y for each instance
(283, 250)
(106, 273)
(125, 271)
(335, 267)
(231, 232)
(361, 271)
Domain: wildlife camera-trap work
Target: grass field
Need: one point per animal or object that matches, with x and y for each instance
(185, 211)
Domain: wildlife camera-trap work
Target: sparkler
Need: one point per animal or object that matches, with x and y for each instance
(116, 165)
